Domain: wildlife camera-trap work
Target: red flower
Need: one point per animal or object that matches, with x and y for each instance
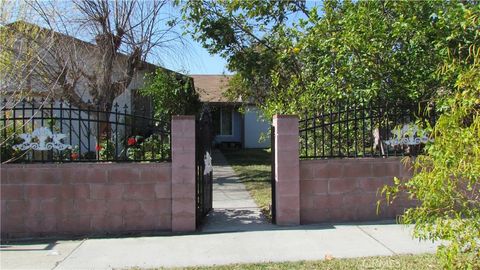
(98, 147)
(74, 156)
(131, 141)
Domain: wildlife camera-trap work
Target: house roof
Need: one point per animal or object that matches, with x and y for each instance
(74, 41)
(212, 88)
(145, 64)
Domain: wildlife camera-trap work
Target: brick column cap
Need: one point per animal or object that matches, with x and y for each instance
(183, 117)
(291, 116)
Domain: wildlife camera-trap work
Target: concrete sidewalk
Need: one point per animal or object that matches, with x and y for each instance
(281, 244)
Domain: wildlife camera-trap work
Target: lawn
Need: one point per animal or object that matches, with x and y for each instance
(253, 168)
(403, 262)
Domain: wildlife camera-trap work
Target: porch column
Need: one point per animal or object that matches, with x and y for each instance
(287, 169)
(183, 173)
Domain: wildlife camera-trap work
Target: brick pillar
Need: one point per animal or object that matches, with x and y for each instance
(183, 173)
(287, 170)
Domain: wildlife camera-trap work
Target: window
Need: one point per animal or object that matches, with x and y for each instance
(223, 121)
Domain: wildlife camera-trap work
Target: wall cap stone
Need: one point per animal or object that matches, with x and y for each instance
(277, 116)
(86, 164)
(359, 159)
(183, 117)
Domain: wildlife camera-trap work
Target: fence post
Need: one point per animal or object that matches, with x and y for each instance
(183, 173)
(287, 169)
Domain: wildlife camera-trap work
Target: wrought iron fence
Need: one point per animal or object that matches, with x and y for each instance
(343, 130)
(203, 161)
(56, 131)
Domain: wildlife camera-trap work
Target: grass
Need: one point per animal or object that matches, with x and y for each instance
(403, 262)
(253, 168)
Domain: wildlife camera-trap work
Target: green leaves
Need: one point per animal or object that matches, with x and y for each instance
(447, 180)
(171, 94)
(361, 50)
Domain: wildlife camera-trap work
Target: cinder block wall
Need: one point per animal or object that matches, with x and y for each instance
(69, 199)
(78, 199)
(344, 190)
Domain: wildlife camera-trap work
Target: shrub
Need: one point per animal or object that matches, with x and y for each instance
(446, 180)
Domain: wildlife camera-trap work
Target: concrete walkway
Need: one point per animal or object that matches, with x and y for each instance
(282, 244)
(233, 207)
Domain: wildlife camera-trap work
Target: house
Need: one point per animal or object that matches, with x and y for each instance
(233, 128)
(59, 53)
(62, 73)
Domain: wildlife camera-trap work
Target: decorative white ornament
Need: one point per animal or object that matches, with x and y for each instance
(42, 134)
(409, 134)
(208, 164)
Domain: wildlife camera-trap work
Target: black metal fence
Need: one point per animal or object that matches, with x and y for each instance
(343, 130)
(56, 131)
(203, 171)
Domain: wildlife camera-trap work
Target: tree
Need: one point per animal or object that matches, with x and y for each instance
(85, 53)
(362, 50)
(16, 69)
(125, 32)
(246, 33)
(171, 93)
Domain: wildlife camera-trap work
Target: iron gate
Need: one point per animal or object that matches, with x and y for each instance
(204, 169)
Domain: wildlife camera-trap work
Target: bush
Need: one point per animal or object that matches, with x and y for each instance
(151, 148)
(446, 180)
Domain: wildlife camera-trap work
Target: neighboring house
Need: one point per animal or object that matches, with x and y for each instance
(59, 53)
(232, 128)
